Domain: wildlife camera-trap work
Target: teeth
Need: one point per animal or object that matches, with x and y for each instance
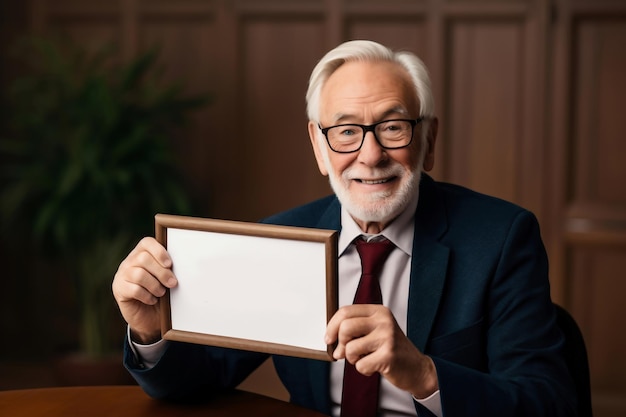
(372, 182)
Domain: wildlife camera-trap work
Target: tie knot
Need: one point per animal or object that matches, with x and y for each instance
(373, 254)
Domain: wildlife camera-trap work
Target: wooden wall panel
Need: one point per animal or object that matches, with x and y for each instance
(188, 43)
(407, 33)
(486, 102)
(271, 134)
(599, 148)
(596, 206)
(595, 300)
(597, 296)
(95, 31)
(590, 204)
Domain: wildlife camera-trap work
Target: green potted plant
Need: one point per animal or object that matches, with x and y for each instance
(86, 163)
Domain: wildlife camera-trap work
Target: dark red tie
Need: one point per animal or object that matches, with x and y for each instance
(360, 392)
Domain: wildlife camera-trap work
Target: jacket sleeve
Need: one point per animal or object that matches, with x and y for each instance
(189, 372)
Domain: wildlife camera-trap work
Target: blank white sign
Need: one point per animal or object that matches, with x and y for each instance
(262, 289)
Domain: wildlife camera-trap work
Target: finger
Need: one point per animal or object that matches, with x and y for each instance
(154, 248)
(353, 332)
(151, 256)
(136, 284)
(146, 261)
(140, 277)
(146, 278)
(368, 356)
(361, 339)
(134, 292)
(343, 314)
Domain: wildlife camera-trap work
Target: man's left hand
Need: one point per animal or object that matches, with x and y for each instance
(369, 337)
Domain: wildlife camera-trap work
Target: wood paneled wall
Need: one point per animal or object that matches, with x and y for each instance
(587, 182)
(529, 93)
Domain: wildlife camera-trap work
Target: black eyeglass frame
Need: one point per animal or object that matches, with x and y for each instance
(371, 128)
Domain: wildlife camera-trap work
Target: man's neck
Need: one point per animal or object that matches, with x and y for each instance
(371, 228)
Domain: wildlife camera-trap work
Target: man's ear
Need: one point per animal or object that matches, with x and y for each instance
(315, 143)
(431, 138)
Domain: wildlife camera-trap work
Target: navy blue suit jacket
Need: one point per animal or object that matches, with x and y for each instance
(479, 305)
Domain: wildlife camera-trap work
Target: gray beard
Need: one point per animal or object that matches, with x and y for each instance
(379, 207)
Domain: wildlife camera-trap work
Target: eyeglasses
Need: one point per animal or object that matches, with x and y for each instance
(390, 134)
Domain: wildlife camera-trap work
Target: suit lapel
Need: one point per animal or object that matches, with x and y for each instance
(428, 271)
(429, 264)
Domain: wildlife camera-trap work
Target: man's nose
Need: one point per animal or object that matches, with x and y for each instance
(371, 152)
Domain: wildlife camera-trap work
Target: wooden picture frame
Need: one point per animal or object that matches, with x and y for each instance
(250, 286)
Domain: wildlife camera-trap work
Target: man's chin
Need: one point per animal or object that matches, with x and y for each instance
(377, 211)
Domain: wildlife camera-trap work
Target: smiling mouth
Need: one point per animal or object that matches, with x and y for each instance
(374, 182)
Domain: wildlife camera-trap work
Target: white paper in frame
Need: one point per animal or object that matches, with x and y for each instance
(251, 286)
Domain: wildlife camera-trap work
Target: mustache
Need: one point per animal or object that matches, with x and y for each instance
(393, 170)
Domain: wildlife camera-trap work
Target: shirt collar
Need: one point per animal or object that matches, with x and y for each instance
(400, 231)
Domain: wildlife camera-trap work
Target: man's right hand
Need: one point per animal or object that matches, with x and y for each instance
(141, 279)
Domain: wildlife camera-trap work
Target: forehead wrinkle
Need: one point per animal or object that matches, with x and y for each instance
(347, 117)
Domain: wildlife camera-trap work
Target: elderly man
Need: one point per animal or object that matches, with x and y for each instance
(462, 325)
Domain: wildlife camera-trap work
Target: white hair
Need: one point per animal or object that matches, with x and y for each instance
(363, 51)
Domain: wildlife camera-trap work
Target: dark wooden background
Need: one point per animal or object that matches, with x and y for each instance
(530, 94)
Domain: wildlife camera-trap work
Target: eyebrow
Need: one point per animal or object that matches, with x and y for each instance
(346, 117)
